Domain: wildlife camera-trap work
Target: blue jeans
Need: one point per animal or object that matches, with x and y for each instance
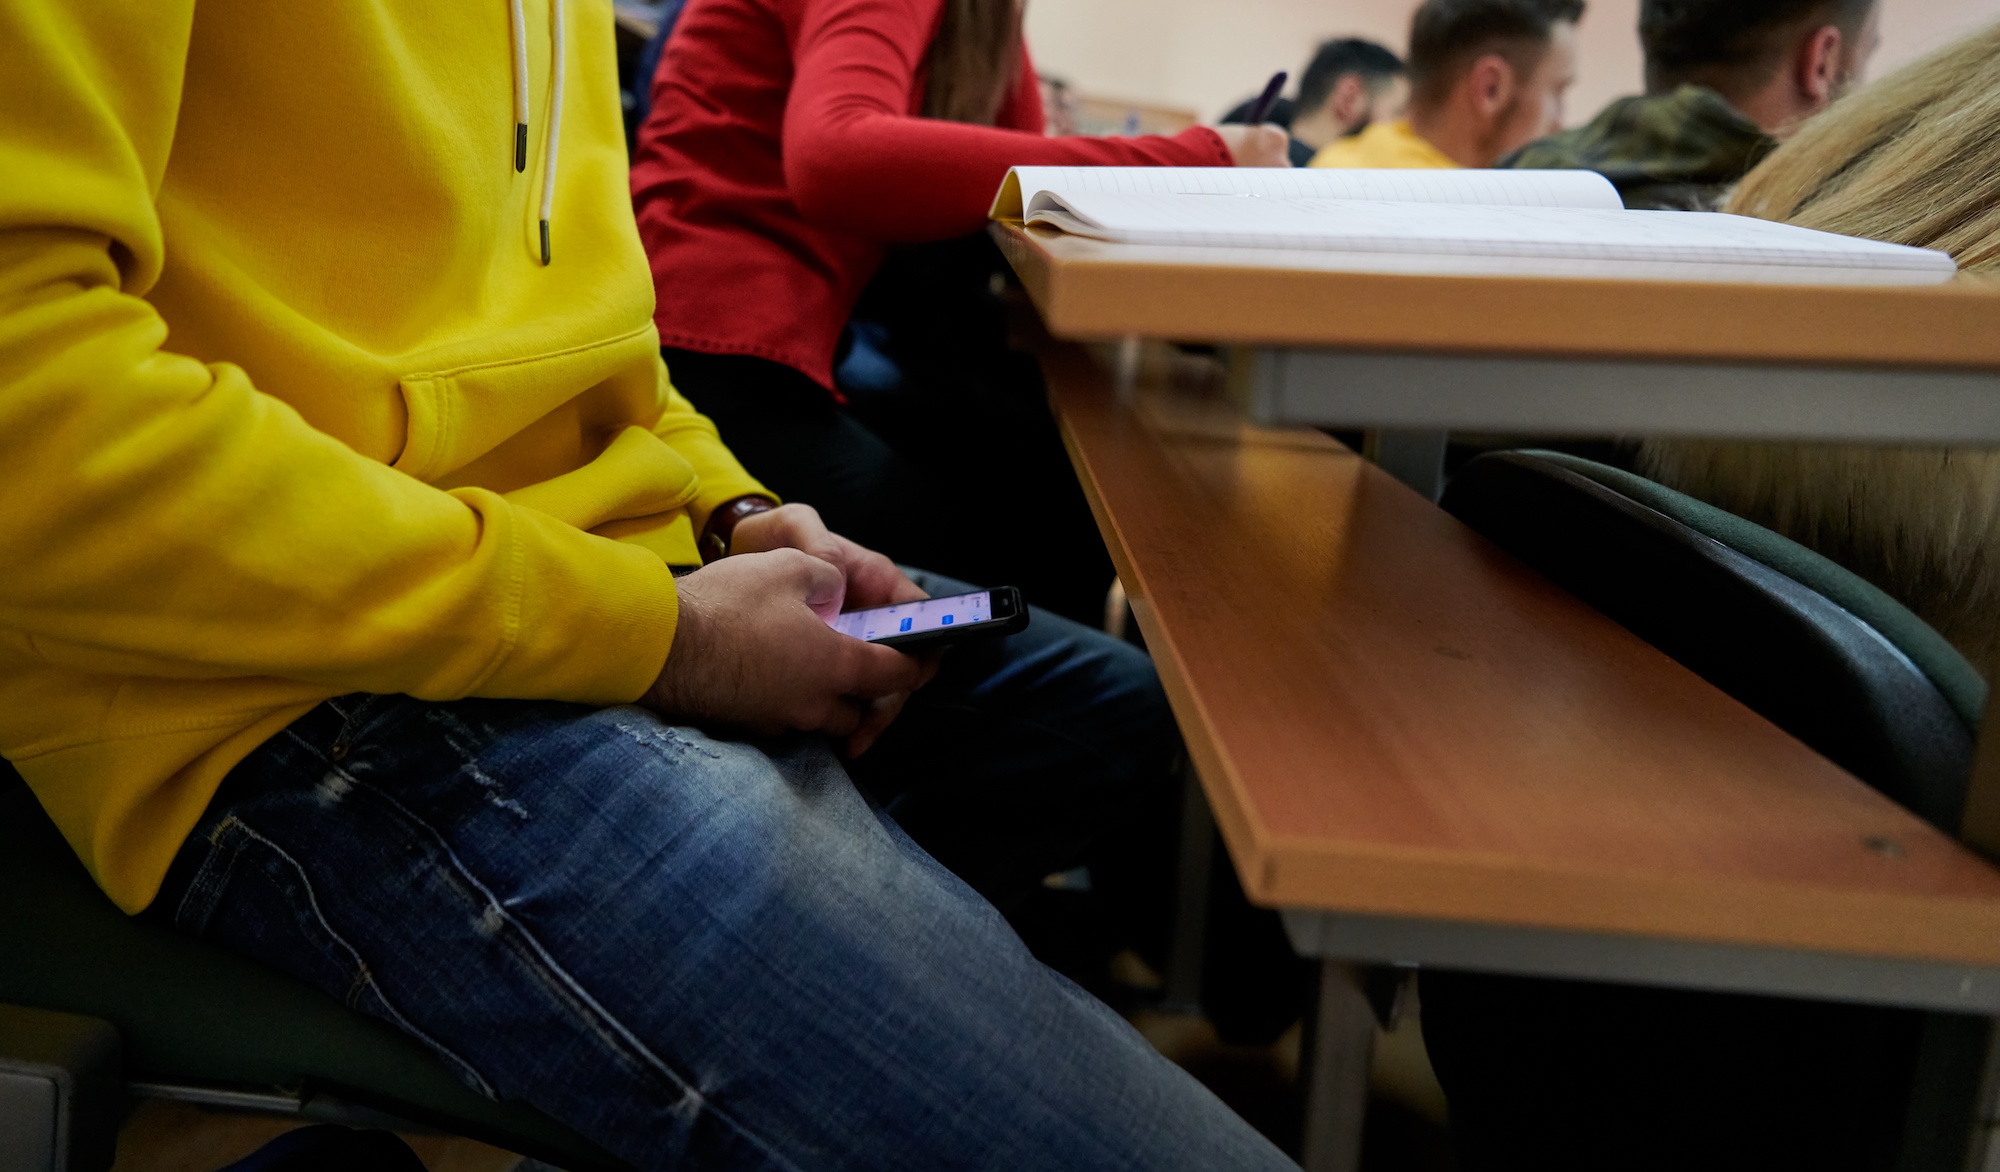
(704, 953)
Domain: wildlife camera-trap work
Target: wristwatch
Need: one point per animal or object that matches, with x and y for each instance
(714, 543)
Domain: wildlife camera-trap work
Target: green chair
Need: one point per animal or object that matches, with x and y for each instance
(1556, 1074)
(201, 1025)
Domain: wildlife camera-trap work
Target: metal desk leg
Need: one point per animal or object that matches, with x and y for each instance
(1338, 1053)
(1982, 1152)
(1197, 864)
(1980, 827)
(1414, 457)
(1126, 384)
(1948, 1124)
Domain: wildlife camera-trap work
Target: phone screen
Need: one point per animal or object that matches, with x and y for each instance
(908, 618)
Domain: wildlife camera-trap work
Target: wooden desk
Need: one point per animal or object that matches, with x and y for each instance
(1539, 355)
(1427, 754)
(1093, 289)
(1410, 357)
(1431, 759)
(1393, 718)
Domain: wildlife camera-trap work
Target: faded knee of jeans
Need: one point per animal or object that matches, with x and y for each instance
(815, 841)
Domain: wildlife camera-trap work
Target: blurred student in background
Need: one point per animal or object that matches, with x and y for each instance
(1725, 81)
(790, 145)
(1914, 159)
(1058, 107)
(1557, 1075)
(1348, 85)
(1486, 77)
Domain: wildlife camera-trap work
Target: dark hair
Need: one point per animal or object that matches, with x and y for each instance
(972, 60)
(1731, 45)
(1445, 35)
(1334, 60)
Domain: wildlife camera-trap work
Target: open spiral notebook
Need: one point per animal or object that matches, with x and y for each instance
(1478, 223)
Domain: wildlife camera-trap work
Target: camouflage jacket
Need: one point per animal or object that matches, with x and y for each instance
(1679, 151)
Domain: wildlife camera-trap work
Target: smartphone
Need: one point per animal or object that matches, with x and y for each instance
(935, 622)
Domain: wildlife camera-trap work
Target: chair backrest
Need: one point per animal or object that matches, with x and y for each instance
(1806, 644)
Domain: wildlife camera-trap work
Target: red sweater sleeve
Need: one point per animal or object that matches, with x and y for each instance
(858, 159)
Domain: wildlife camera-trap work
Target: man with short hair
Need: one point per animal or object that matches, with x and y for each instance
(1349, 84)
(1725, 81)
(1486, 77)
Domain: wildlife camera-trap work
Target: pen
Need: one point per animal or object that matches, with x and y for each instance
(1262, 106)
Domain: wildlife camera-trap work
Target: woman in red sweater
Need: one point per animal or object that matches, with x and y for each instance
(793, 142)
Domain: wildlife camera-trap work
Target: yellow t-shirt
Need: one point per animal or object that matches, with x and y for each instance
(1386, 145)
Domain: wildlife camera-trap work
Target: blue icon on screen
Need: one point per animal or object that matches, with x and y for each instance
(906, 624)
(945, 621)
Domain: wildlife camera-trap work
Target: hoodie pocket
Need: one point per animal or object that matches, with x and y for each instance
(635, 476)
(457, 416)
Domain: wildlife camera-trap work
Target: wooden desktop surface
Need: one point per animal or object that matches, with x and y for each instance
(1092, 289)
(1390, 716)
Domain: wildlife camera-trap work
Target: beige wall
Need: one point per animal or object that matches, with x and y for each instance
(1204, 55)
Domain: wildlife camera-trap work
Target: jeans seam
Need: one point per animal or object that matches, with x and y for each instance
(355, 721)
(364, 977)
(598, 1019)
(211, 879)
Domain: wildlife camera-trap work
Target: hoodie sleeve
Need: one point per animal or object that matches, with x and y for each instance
(858, 160)
(164, 517)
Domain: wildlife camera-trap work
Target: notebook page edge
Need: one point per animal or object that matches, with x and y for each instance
(1148, 218)
(1578, 189)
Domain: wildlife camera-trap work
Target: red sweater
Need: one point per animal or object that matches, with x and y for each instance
(784, 152)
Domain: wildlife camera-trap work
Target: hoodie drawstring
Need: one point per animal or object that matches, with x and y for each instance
(555, 119)
(518, 32)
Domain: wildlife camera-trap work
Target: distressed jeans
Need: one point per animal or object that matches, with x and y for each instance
(704, 953)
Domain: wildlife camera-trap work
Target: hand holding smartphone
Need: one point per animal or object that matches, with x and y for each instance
(936, 622)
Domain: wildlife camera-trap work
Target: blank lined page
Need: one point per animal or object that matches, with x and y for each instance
(1547, 189)
(1583, 234)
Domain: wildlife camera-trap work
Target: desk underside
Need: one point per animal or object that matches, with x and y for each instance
(1604, 397)
(1393, 718)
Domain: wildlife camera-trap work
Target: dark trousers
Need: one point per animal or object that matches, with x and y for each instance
(1570, 1076)
(959, 471)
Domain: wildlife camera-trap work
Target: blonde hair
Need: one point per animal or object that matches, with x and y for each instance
(1913, 159)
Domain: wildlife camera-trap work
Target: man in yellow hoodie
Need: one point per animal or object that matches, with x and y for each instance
(340, 626)
(1486, 77)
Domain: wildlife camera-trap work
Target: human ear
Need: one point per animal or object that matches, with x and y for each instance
(1350, 100)
(1820, 67)
(1491, 84)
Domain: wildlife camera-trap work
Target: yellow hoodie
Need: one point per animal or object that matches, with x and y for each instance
(290, 406)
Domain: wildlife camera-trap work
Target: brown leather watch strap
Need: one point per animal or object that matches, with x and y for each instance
(714, 543)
